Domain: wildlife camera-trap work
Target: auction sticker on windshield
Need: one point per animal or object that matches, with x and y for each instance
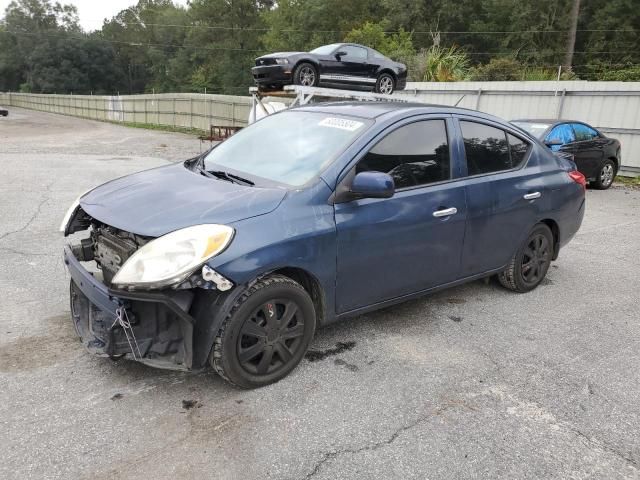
(341, 123)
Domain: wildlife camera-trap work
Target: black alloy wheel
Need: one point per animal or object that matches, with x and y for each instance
(535, 259)
(270, 336)
(531, 262)
(266, 333)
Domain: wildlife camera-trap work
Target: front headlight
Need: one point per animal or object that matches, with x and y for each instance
(173, 257)
(72, 209)
(282, 61)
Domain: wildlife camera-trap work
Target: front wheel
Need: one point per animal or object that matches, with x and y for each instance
(306, 75)
(385, 84)
(530, 263)
(605, 176)
(266, 333)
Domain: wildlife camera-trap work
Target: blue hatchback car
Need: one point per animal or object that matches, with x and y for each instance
(233, 259)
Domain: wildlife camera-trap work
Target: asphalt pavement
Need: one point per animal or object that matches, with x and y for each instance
(473, 382)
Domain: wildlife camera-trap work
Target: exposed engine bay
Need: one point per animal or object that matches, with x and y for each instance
(156, 328)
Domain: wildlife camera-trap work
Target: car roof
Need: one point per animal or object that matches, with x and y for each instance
(551, 121)
(372, 110)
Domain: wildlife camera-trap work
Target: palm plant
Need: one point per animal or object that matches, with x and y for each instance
(445, 64)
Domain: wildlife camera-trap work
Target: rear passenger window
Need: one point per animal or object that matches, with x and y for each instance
(414, 154)
(486, 148)
(563, 133)
(584, 132)
(489, 149)
(518, 148)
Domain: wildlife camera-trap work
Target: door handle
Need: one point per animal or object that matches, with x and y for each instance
(445, 212)
(532, 196)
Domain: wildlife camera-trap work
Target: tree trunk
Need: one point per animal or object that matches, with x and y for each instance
(571, 38)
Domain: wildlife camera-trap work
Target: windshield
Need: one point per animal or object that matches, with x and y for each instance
(534, 128)
(326, 49)
(288, 147)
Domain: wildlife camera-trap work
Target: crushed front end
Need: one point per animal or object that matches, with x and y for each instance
(166, 327)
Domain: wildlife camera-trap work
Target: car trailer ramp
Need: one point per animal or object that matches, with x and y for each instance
(297, 95)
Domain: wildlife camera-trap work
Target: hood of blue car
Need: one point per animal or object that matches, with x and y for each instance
(155, 202)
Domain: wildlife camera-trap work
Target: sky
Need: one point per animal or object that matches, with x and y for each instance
(93, 12)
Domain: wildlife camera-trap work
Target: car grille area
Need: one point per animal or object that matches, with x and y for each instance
(265, 61)
(112, 248)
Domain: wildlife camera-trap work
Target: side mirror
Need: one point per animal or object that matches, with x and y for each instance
(553, 142)
(372, 185)
(340, 54)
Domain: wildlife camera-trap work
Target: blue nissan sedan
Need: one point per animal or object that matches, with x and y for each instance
(233, 259)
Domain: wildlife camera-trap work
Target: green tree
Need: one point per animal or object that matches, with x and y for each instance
(397, 45)
(498, 68)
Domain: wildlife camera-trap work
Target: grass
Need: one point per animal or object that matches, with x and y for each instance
(628, 181)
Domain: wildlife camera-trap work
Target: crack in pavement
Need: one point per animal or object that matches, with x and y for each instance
(328, 456)
(33, 217)
(533, 411)
(604, 447)
(26, 254)
(590, 442)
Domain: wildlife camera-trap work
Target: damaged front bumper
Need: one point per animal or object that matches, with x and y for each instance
(158, 330)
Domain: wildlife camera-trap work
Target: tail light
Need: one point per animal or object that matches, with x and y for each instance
(579, 178)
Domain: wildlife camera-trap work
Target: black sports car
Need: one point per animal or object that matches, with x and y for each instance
(4, 112)
(340, 65)
(597, 156)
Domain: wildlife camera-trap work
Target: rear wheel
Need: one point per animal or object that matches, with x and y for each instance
(530, 263)
(605, 176)
(306, 75)
(385, 84)
(266, 333)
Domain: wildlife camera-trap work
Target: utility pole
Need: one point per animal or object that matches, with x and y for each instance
(571, 38)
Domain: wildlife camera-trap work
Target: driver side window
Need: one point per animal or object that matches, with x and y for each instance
(562, 132)
(414, 154)
(353, 54)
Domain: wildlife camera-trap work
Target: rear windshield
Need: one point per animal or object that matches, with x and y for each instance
(534, 128)
(290, 147)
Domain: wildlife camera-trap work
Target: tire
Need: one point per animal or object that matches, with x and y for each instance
(252, 349)
(606, 175)
(385, 84)
(306, 74)
(528, 267)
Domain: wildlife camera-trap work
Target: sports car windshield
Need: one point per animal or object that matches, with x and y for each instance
(288, 147)
(534, 128)
(325, 49)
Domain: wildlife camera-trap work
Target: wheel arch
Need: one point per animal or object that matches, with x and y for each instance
(390, 72)
(555, 231)
(312, 61)
(212, 308)
(311, 285)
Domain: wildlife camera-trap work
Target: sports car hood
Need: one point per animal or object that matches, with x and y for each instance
(158, 201)
(281, 54)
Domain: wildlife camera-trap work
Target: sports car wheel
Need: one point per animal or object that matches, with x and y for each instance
(531, 262)
(606, 176)
(306, 75)
(266, 333)
(385, 84)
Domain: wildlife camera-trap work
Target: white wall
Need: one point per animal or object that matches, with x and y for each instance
(612, 107)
